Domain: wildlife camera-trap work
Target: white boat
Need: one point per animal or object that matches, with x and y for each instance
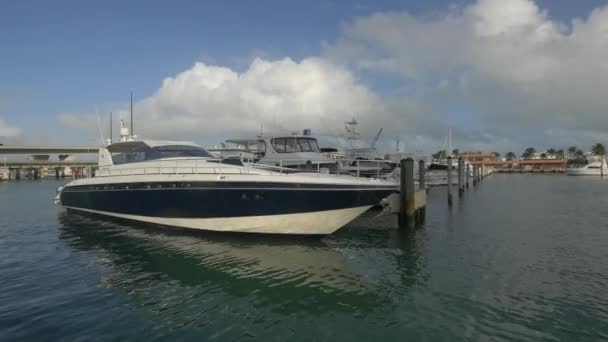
(4, 173)
(296, 151)
(595, 168)
(363, 159)
(180, 184)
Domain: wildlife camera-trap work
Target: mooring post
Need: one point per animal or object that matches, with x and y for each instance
(483, 174)
(421, 217)
(449, 180)
(460, 177)
(468, 173)
(475, 175)
(421, 170)
(406, 194)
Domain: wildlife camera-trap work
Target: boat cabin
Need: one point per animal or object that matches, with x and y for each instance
(289, 151)
(145, 150)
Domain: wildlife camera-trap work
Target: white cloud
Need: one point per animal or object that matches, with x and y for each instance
(7, 131)
(214, 100)
(502, 74)
(507, 62)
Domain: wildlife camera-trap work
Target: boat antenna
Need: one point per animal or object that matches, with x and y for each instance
(99, 127)
(110, 127)
(450, 148)
(132, 130)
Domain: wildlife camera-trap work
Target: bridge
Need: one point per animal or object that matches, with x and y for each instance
(41, 165)
(24, 149)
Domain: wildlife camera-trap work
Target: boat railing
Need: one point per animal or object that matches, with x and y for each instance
(352, 167)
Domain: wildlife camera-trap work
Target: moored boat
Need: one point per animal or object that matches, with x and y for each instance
(596, 168)
(180, 184)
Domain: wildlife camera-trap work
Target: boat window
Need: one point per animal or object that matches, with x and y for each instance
(159, 152)
(304, 145)
(129, 157)
(312, 143)
(293, 145)
(593, 167)
(278, 144)
(174, 151)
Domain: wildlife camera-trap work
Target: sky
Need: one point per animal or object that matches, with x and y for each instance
(501, 74)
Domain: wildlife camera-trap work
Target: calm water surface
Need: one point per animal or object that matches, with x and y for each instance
(521, 257)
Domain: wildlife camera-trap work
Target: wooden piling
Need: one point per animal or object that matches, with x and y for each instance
(407, 192)
(421, 170)
(474, 175)
(468, 173)
(449, 180)
(460, 177)
(421, 216)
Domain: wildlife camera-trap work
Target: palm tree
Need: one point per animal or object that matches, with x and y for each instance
(528, 153)
(571, 152)
(496, 154)
(579, 158)
(455, 152)
(598, 150)
(559, 154)
(543, 155)
(551, 152)
(510, 156)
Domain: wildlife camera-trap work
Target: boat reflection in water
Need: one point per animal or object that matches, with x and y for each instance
(190, 274)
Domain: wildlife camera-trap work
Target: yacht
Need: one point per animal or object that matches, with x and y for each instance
(361, 158)
(298, 152)
(441, 164)
(181, 184)
(595, 168)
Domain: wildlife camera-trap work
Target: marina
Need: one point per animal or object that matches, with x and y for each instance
(458, 278)
(304, 171)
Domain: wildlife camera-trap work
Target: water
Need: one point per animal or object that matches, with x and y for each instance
(519, 258)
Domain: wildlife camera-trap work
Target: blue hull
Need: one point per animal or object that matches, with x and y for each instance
(219, 199)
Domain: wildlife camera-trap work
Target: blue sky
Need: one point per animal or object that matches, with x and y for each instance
(70, 56)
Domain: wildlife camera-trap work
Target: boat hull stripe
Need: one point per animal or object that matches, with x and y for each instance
(210, 203)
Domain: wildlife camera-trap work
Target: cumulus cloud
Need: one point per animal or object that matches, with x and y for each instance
(501, 74)
(273, 95)
(7, 131)
(506, 62)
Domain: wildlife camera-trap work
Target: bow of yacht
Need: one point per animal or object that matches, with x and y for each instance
(595, 168)
(180, 184)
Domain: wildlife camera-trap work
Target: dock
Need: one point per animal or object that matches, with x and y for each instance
(411, 201)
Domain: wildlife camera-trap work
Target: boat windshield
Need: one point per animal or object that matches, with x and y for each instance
(294, 145)
(160, 152)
